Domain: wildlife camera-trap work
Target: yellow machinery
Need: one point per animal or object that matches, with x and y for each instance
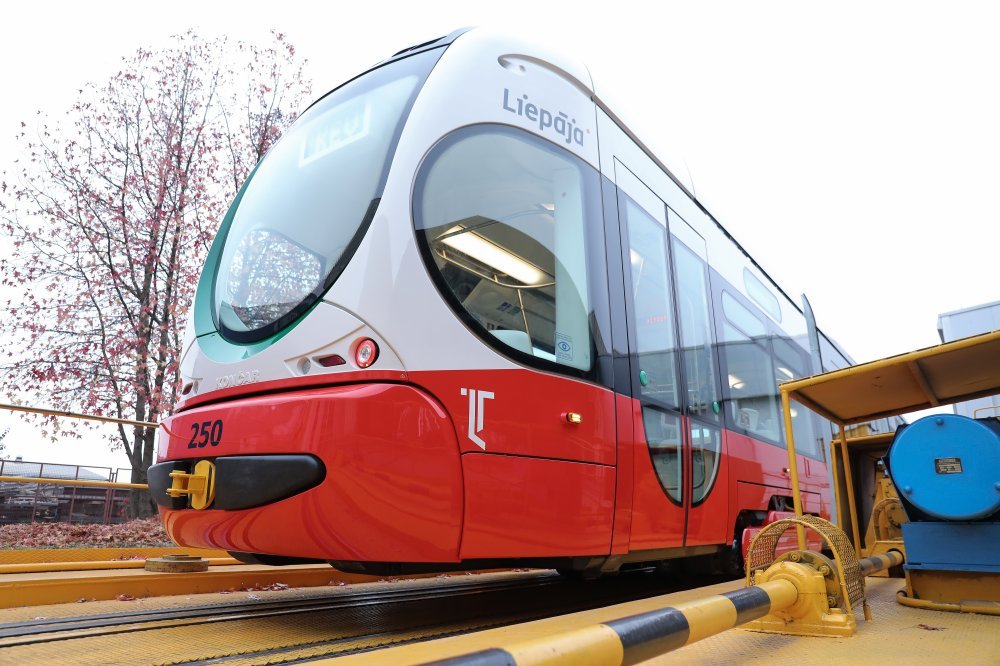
(942, 375)
(885, 526)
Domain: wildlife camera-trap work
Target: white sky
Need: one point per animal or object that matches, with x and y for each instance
(853, 148)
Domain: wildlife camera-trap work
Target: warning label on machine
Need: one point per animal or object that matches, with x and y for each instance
(948, 465)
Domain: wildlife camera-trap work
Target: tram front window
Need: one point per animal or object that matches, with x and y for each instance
(302, 213)
(502, 217)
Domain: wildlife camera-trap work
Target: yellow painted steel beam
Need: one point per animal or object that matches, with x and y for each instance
(46, 411)
(918, 355)
(96, 565)
(67, 587)
(876, 441)
(37, 589)
(941, 375)
(793, 467)
(849, 482)
(921, 379)
(819, 409)
(71, 482)
(44, 555)
(835, 473)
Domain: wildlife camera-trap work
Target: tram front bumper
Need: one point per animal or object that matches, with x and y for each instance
(242, 482)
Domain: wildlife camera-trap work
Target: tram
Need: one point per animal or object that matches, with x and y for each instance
(460, 316)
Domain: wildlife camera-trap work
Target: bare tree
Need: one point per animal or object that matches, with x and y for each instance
(111, 214)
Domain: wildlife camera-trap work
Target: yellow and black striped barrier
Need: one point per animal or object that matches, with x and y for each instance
(631, 640)
(634, 639)
(877, 563)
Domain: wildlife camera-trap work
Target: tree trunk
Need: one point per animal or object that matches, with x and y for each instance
(141, 504)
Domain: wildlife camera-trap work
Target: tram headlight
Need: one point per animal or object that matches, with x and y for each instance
(162, 440)
(365, 353)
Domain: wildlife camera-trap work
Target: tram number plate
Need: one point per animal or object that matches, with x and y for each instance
(948, 465)
(205, 433)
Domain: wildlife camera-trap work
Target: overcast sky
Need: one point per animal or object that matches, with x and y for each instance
(852, 148)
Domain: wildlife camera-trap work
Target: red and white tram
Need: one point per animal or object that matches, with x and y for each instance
(459, 316)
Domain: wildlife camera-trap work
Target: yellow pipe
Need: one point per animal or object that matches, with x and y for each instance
(793, 467)
(983, 608)
(849, 479)
(75, 415)
(72, 482)
(43, 567)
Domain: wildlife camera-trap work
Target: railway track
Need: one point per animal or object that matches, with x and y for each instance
(314, 625)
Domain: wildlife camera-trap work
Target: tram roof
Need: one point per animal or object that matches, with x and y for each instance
(941, 375)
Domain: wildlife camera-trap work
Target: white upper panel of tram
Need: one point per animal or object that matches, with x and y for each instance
(481, 78)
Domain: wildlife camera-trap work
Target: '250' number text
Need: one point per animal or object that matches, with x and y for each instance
(205, 433)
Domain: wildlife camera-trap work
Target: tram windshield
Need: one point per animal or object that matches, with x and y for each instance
(503, 218)
(306, 207)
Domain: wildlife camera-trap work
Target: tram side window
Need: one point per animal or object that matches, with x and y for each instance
(696, 337)
(503, 217)
(663, 435)
(791, 363)
(706, 448)
(654, 312)
(753, 395)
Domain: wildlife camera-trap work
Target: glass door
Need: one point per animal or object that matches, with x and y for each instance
(701, 399)
(659, 512)
(675, 373)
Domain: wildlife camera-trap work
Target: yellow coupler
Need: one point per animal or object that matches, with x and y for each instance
(198, 486)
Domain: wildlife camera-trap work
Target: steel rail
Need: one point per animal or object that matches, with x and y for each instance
(133, 621)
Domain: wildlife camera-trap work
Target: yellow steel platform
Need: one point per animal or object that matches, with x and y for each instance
(236, 633)
(897, 634)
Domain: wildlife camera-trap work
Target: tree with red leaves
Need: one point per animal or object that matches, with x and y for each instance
(111, 213)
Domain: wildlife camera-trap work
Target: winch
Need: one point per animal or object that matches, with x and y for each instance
(946, 469)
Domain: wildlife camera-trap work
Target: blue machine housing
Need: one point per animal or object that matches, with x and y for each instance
(946, 469)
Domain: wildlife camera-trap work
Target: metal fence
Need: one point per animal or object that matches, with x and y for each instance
(38, 502)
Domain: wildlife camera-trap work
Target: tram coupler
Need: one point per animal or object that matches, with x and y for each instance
(198, 486)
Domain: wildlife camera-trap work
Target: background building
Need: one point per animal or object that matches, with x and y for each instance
(961, 324)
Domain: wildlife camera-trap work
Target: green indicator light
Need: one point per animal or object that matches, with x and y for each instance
(715, 406)
(643, 378)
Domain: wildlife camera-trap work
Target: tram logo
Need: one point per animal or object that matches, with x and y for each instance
(477, 414)
(237, 379)
(559, 122)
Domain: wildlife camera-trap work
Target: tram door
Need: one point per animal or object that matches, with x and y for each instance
(674, 375)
